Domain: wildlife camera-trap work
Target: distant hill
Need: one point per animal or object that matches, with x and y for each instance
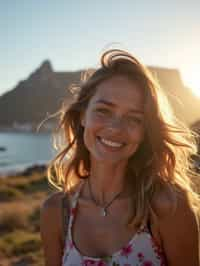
(44, 90)
(185, 104)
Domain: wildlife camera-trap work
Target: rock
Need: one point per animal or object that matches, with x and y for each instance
(25, 261)
(2, 148)
(35, 168)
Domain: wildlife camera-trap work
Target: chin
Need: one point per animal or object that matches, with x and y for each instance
(109, 160)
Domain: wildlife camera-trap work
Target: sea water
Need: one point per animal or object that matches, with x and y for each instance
(20, 150)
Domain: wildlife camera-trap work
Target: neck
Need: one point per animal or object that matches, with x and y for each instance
(106, 181)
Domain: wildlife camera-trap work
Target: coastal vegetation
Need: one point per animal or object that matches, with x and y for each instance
(20, 200)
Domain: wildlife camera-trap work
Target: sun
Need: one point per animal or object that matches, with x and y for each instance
(192, 80)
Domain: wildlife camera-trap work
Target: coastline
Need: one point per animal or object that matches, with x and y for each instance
(23, 169)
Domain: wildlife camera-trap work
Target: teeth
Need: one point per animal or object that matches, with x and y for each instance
(111, 143)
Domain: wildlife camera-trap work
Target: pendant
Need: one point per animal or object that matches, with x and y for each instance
(103, 212)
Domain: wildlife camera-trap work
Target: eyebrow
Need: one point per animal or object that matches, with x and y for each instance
(113, 105)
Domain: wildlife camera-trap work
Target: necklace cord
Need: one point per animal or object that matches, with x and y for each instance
(105, 207)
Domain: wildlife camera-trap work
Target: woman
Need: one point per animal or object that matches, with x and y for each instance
(126, 172)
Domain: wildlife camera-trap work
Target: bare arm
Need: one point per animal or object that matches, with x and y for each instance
(51, 229)
(179, 232)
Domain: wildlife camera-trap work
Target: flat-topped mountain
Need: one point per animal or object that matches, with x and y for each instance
(44, 90)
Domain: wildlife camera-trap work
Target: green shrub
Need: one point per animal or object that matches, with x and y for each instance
(32, 185)
(9, 194)
(24, 260)
(25, 184)
(22, 186)
(32, 258)
(11, 221)
(19, 243)
(38, 185)
(34, 219)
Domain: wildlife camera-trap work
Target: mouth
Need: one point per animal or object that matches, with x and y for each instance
(110, 144)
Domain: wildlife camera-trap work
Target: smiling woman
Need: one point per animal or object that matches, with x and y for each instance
(113, 119)
(125, 172)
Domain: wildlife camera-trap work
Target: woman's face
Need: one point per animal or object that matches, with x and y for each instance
(113, 120)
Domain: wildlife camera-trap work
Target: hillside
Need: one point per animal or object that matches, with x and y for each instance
(185, 105)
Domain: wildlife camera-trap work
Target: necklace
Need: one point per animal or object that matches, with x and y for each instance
(103, 208)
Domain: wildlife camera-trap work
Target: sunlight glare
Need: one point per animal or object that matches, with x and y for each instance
(192, 80)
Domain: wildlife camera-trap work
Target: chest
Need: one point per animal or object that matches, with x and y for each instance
(97, 236)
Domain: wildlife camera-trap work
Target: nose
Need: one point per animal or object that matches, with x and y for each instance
(116, 123)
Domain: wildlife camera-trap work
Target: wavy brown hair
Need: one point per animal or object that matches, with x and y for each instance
(163, 160)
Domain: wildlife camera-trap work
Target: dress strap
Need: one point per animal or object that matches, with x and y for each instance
(65, 216)
(73, 209)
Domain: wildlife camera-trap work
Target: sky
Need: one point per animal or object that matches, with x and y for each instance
(73, 35)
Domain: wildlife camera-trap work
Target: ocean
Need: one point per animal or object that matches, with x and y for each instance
(20, 150)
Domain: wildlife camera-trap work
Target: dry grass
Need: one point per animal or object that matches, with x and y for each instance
(20, 242)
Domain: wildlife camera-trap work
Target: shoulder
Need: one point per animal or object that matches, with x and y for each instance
(164, 202)
(178, 227)
(52, 205)
(53, 201)
(50, 214)
(51, 228)
(50, 208)
(171, 203)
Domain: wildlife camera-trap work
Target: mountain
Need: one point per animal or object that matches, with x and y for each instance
(40, 94)
(44, 90)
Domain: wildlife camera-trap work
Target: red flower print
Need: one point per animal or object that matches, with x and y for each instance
(73, 211)
(90, 262)
(71, 245)
(158, 250)
(140, 256)
(126, 250)
(147, 263)
(101, 263)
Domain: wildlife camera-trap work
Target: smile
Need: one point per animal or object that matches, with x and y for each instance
(110, 143)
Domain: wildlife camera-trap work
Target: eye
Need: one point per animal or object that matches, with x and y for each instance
(103, 111)
(133, 119)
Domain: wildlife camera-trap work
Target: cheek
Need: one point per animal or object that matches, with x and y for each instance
(90, 128)
(93, 123)
(137, 135)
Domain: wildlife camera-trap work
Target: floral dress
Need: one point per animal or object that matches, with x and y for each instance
(141, 250)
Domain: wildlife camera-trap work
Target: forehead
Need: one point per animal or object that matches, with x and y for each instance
(119, 91)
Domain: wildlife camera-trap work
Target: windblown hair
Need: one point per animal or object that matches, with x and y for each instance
(163, 160)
